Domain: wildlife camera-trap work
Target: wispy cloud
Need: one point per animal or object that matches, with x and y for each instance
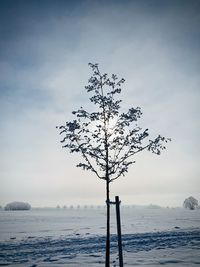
(44, 51)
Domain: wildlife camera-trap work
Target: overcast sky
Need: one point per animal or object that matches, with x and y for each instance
(45, 47)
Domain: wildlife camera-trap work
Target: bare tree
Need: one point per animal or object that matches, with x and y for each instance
(190, 203)
(107, 138)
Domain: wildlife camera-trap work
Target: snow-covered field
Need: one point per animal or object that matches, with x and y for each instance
(76, 237)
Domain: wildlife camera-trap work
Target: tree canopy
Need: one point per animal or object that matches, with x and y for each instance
(107, 138)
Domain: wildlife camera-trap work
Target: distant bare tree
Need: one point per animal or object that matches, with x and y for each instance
(190, 203)
(106, 138)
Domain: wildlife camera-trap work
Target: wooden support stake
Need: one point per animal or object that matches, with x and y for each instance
(119, 231)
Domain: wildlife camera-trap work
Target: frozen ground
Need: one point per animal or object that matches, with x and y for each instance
(75, 237)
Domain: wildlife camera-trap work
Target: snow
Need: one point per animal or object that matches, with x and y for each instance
(75, 237)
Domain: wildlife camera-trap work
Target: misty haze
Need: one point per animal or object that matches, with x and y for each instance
(129, 121)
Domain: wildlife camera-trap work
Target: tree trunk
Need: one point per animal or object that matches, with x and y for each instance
(107, 263)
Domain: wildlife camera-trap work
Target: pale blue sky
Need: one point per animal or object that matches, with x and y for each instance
(45, 47)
